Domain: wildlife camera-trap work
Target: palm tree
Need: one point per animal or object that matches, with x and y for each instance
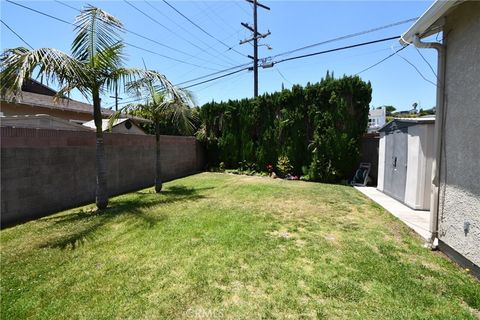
(95, 67)
(160, 104)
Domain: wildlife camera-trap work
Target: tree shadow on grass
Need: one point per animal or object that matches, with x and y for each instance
(131, 206)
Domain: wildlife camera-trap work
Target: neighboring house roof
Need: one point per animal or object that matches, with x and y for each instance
(31, 85)
(49, 102)
(40, 121)
(105, 124)
(427, 24)
(405, 122)
(39, 95)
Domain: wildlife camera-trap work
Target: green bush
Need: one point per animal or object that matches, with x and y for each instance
(317, 127)
(283, 166)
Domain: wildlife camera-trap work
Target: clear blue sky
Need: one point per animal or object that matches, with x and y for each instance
(293, 24)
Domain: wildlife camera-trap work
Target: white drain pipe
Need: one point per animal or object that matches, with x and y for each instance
(438, 141)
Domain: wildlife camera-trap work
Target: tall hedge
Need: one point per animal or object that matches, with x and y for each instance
(318, 127)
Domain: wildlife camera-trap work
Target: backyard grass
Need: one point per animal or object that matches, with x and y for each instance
(215, 246)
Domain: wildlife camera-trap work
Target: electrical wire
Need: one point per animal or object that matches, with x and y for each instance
(418, 71)
(13, 31)
(424, 59)
(143, 37)
(212, 74)
(377, 63)
(293, 58)
(281, 75)
(172, 32)
(213, 79)
(230, 82)
(242, 8)
(207, 46)
(129, 44)
(356, 34)
(337, 49)
(202, 29)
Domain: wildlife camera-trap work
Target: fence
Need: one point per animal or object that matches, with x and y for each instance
(369, 153)
(45, 171)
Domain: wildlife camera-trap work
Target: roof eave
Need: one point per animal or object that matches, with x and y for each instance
(423, 26)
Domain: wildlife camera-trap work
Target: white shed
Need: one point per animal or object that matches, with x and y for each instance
(405, 158)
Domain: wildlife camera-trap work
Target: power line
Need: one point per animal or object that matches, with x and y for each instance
(13, 31)
(171, 31)
(377, 63)
(230, 82)
(213, 79)
(129, 44)
(212, 74)
(202, 29)
(40, 12)
(418, 71)
(207, 46)
(336, 49)
(281, 75)
(142, 36)
(431, 68)
(346, 37)
(214, 16)
(295, 58)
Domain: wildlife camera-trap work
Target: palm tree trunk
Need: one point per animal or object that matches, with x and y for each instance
(101, 197)
(158, 164)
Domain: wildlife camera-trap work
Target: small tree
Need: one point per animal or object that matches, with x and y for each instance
(161, 103)
(95, 67)
(390, 109)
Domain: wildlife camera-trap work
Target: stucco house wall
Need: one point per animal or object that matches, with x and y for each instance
(459, 205)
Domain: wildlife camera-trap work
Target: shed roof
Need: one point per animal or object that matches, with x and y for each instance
(405, 122)
(105, 125)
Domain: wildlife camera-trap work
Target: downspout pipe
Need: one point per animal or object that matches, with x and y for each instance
(438, 140)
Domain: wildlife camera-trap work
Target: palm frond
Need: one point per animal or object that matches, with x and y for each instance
(96, 31)
(183, 117)
(18, 65)
(110, 59)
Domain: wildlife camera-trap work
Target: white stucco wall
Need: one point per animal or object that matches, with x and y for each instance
(381, 161)
(460, 162)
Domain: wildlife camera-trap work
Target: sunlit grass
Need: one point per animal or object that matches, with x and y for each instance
(215, 246)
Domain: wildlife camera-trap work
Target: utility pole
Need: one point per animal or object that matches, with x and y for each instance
(256, 36)
(116, 97)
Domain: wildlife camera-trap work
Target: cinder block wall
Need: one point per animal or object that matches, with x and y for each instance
(44, 171)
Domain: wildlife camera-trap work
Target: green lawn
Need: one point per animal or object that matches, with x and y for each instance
(215, 246)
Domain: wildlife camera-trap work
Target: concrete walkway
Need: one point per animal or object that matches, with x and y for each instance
(418, 220)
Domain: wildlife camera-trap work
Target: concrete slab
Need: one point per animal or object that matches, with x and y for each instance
(418, 220)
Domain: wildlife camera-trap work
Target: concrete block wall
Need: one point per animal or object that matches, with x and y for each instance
(45, 171)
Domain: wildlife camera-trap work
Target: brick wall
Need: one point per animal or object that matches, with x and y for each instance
(45, 171)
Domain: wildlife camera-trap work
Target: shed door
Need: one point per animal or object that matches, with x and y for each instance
(396, 164)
